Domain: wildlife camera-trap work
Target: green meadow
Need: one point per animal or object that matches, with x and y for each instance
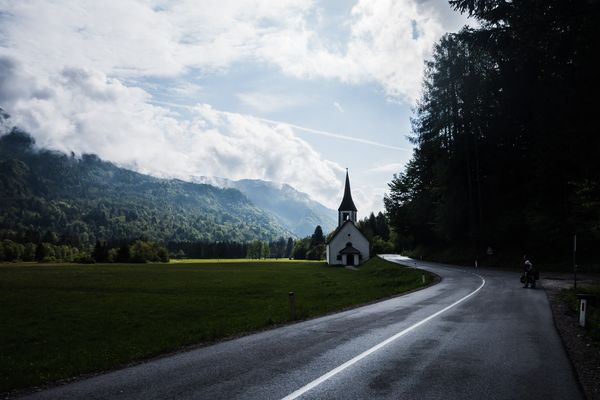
(63, 320)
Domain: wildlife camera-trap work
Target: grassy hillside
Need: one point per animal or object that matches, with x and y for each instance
(84, 199)
(59, 321)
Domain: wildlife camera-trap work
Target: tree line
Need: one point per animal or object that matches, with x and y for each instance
(376, 229)
(52, 250)
(49, 247)
(138, 251)
(505, 135)
(280, 248)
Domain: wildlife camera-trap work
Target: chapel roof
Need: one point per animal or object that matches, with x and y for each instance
(347, 204)
(339, 228)
(349, 250)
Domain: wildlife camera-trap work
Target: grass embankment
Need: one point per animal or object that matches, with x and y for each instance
(60, 321)
(569, 296)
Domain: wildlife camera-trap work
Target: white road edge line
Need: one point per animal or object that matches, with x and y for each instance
(373, 349)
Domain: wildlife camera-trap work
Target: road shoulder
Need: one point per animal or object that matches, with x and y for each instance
(584, 355)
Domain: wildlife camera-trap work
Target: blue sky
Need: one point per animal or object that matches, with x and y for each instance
(290, 91)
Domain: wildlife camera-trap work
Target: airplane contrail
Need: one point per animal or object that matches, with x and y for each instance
(333, 135)
(301, 128)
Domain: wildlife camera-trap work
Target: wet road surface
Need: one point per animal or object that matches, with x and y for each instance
(476, 334)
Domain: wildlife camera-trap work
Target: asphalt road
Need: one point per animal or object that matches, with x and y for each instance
(476, 335)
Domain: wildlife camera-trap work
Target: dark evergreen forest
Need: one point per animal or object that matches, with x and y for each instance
(57, 198)
(506, 137)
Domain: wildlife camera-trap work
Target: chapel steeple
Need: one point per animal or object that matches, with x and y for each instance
(347, 209)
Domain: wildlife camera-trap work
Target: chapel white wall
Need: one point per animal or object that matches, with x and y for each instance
(359, 242)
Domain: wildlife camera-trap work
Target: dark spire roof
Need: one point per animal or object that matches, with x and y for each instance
(347, 203)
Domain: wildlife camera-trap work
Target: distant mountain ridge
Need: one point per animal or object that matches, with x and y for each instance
(85, 199)
(277, 209)
(295, 210)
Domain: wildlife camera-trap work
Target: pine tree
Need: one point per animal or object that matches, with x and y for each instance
(289, 247)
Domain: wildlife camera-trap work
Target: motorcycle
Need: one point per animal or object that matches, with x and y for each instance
(529, 278)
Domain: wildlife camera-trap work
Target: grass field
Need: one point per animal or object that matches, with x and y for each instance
(238, 260)
(60, 321)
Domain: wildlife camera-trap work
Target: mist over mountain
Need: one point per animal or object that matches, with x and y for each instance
(295, 210)
(82, 199)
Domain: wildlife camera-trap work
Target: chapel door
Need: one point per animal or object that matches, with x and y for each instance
(350, 259)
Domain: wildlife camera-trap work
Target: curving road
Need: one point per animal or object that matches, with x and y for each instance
(476, 334)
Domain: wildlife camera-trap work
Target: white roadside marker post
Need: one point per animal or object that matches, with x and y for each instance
(292, 297)
(583, 305)
(575, 262)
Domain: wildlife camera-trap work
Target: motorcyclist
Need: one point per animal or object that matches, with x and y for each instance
(530, 274)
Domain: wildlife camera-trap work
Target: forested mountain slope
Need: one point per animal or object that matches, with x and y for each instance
(85, 199)
(295, 210)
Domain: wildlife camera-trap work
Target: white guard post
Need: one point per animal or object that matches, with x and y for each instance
(582, 310)
(583, 305)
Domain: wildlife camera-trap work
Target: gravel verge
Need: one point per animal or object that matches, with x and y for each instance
(582, 351)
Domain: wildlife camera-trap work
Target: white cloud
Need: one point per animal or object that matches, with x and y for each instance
(69, 71)
(338, 106)
(383, 45)
(368, 199)
(380, 49)
(390, 167)
(87, 112)
(133, 38)
(183, 90)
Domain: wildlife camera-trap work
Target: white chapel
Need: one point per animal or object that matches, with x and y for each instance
(348, 245)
